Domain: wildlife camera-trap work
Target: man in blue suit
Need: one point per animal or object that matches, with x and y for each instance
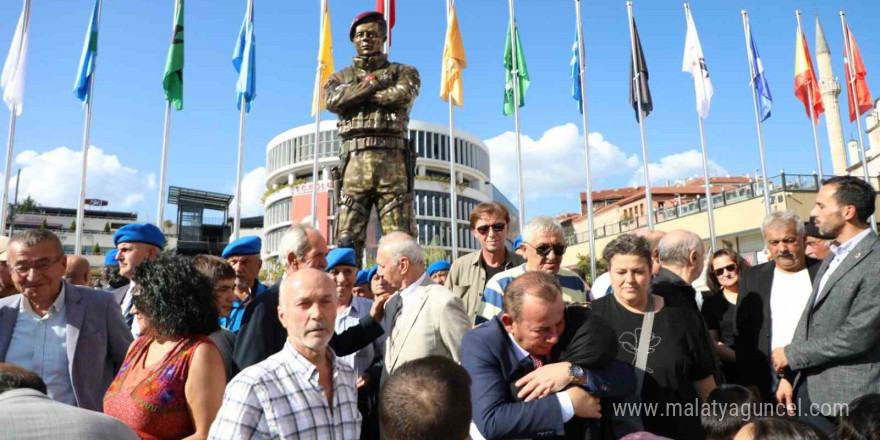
(538, 347)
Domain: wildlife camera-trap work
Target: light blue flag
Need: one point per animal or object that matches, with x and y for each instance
(576, 74)
(82, 86)
(245, 62)
(760, 79)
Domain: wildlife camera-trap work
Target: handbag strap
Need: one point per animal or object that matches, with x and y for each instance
(644, 344)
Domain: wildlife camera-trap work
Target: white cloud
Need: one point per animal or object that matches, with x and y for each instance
(554, 164)
(253, 185)
(52, 178)
(677, 166)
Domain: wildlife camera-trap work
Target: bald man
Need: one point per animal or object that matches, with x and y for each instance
(682, 257)
(284, 382)
(78, 271)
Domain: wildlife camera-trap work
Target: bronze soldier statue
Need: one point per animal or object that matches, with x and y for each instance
(373, 98)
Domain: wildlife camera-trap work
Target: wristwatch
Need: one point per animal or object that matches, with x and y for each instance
(577, 374)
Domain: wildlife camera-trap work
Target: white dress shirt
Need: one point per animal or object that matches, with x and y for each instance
(39, 344)
(789, 295)
(350, 317)
(127, 302)
(840, 252)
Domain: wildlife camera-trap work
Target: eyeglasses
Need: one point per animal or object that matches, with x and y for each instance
(497, 227)
(39, 266)
(544, 249)
(720, 271)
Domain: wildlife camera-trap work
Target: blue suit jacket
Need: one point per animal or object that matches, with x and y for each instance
(488, 354)
(97, 340)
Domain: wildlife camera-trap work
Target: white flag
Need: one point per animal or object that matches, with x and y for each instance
(12, 78)
(695, 64)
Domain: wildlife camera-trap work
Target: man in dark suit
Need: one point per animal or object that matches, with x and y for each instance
(681, 255)
(771, 299)
(73, 336)
(538, 347)
(835, 351)
(302, 246)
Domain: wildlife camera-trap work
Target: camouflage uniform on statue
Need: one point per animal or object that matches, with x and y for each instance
(373, 98)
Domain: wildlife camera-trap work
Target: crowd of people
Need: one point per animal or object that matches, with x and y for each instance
(501, 343)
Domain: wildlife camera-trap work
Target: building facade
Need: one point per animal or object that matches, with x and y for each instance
(289, 164)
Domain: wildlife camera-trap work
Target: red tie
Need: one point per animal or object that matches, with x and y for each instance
(538, 360)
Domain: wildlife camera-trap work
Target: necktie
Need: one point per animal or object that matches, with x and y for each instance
(537, 360)
(129, 319)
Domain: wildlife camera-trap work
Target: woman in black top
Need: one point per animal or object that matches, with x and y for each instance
(680, 365)
(719, 308)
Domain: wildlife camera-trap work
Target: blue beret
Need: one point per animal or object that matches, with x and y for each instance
(341, 257)
(517, 242)
(140, 233)
(437, 266)
(243, 246)
(110, 258)
(363, 277)
(373, 271)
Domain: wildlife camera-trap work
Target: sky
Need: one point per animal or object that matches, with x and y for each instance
(127, 119)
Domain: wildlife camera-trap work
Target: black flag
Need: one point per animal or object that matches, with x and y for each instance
(641, 81)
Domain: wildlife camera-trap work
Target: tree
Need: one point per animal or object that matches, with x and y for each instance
(167, 224)
(107, 228)
(583, 267)
(272, 271)
(96, 249)
(73, 225)
(433, 251)
(27, 205)
(44, 224)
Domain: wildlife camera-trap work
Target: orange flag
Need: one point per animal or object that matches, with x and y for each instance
(806, 85)
(863, 95)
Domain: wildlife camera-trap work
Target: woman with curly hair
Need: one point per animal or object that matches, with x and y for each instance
(171, 383)
(719, 309)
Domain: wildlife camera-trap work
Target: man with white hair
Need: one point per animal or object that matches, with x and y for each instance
(423, 318)
(543, 245)
(682, 256)
(302, 246)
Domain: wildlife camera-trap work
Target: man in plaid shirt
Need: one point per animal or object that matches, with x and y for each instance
(302, 391)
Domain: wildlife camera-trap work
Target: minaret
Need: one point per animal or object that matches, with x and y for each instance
(830, 89)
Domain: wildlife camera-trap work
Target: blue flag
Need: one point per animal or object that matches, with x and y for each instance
(765, 100)
(245, 62)
(82, 86)
(576, 74)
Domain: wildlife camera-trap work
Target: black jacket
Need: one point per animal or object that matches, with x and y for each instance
(263, 335)
(753, 325)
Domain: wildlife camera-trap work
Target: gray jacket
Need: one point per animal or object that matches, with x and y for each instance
(31, 415)
(97, 340)
(836, 346)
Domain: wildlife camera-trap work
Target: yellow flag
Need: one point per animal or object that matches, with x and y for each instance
(454, 62)
(325, 60)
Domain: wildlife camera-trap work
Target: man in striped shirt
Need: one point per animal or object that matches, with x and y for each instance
(303, 391)
(543, 245)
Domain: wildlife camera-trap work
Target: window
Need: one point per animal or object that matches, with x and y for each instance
(420, 146)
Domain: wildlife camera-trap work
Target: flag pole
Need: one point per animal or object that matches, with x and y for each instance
(706, 180)
(453, 197)
(9, 142)
(160, 215)
(80, 206)
(236, 222)
(583, 82)
(514, 38)
(319, 92)
(847, 40)
(638, 88)
(752, 70)
(387, 14)
(813, 121)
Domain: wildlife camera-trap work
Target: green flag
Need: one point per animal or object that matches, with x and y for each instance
(522, 82)
(172, 82)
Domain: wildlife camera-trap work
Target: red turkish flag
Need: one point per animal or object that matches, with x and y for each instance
(380, 6)
(863, 95)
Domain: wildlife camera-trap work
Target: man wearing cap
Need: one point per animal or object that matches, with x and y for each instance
(7, 287)
(110, 277)
(244, 256)
(373, 98)
(135, 243)
(818, 245)
(362, 285)
(438, 271)
(350, 309)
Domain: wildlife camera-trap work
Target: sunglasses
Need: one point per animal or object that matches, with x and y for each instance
(544, 249)
(497, 227)
(720, 271)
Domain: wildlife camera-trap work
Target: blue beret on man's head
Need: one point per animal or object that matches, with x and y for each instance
(341, 257)
(140, 233)
(110, 258)
(517, 242)
(362, 278)
(373, 271)
(437, 266)
(243, 246)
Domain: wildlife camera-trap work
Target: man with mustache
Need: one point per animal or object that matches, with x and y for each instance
(772, 297)
(303, 391)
